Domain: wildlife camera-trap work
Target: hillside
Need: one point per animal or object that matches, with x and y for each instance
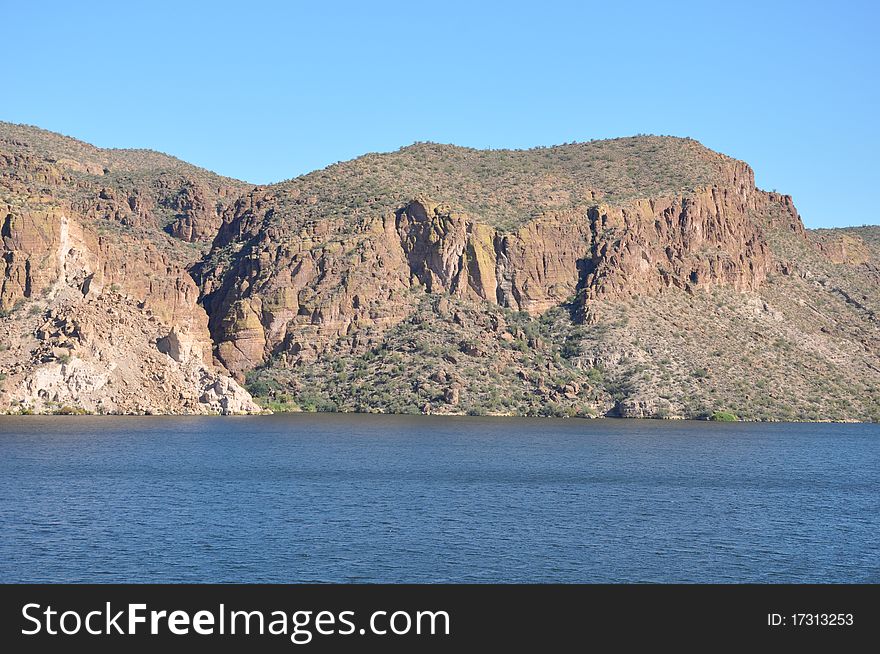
(505, 188)
(97, 309)
(642, 276)
(132, 188)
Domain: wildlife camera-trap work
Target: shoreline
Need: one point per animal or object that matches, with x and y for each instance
(268, 413)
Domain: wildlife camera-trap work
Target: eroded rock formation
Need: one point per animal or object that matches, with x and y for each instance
(97, 316)
(296, 294)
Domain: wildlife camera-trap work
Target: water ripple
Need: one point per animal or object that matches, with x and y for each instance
(330, 498)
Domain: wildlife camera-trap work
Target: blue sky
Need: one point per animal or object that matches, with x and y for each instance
(265, 91)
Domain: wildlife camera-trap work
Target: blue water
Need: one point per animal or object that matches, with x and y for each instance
(304, 498)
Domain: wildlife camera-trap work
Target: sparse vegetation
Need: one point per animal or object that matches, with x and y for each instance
(66, 410)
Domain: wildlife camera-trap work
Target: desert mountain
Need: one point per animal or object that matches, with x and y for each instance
(642, 276)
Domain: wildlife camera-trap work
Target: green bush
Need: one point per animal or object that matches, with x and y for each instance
(595, 375)
(570, 349)
(69, 411)
(256, 386)
(723, 416)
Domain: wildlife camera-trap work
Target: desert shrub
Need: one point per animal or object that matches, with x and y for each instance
(69, 411)
(257, 386)
(570, 349)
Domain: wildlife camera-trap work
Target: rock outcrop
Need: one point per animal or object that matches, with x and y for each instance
(102, 356)
(300, 294)
(99, 314)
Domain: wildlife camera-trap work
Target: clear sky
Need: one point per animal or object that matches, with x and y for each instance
(264, 91)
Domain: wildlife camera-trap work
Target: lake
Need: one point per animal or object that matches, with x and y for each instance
(367, 498)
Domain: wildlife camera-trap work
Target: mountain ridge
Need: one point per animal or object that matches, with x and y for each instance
(33, 133)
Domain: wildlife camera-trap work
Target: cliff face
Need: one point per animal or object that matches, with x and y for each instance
(99, 314)
(606, 278)
(50, 249)
(298, 297)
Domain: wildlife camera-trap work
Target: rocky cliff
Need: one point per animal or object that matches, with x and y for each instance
(296, 293)
(98, 311)
(625, 277)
